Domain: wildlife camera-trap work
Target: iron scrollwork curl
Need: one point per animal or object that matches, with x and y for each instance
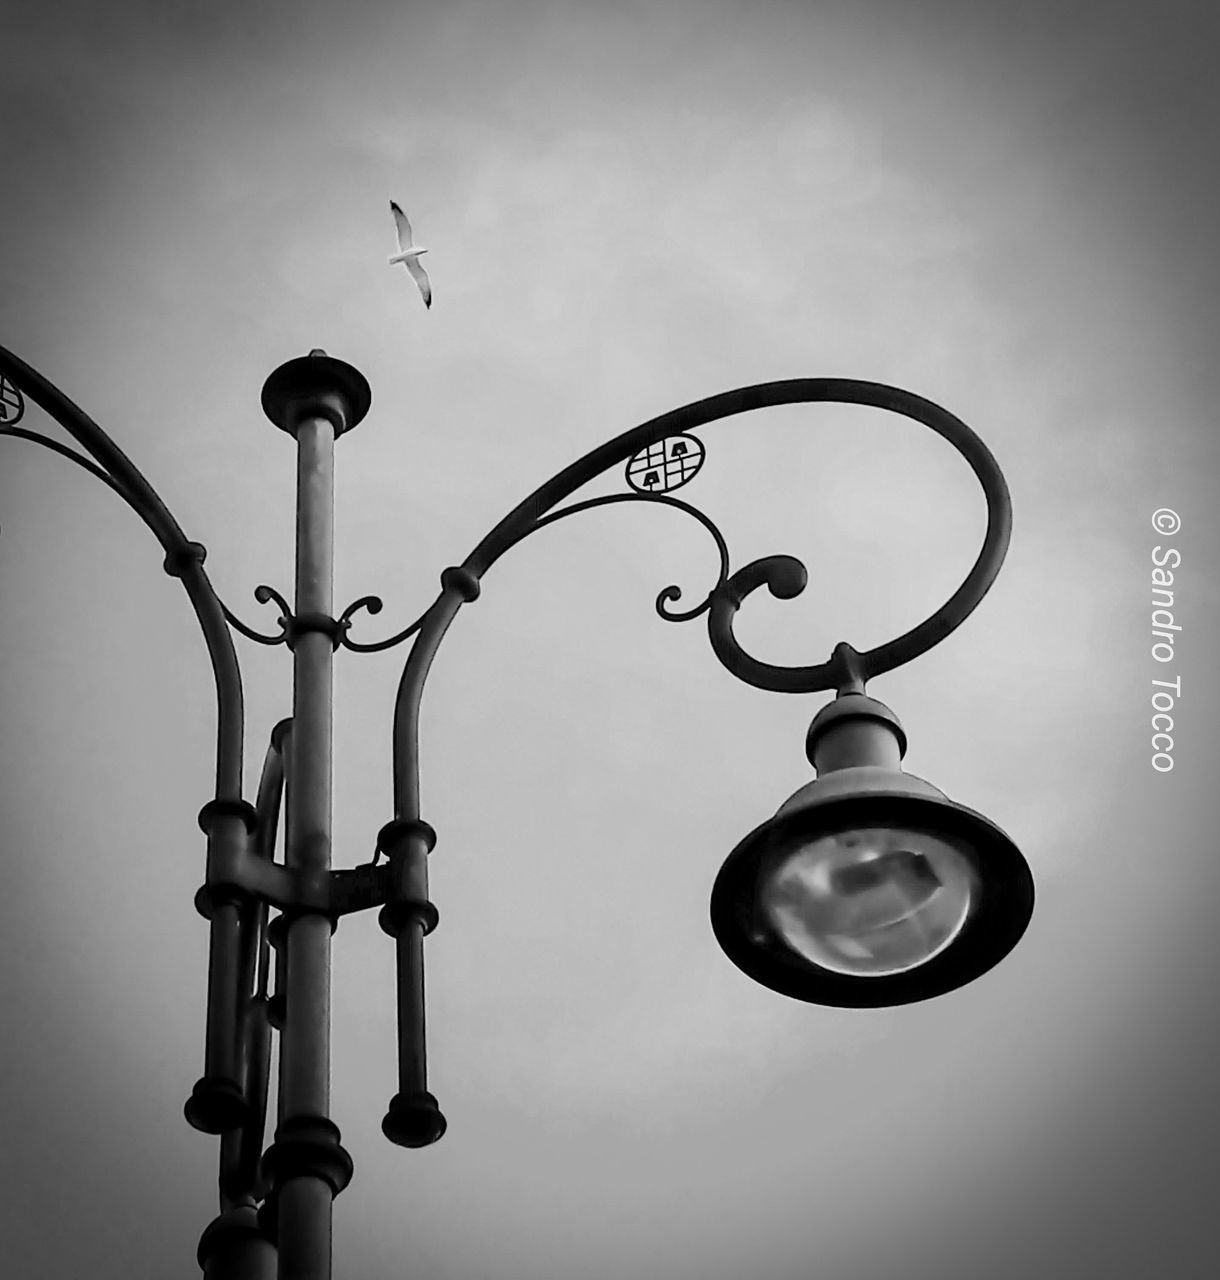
(786, 577)
(290, 624)
(671, 592)
(264, 595)
(374, 606)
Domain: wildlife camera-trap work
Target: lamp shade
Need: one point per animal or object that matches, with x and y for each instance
(869, 887)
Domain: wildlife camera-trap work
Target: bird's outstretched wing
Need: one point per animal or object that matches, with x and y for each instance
(404, 227)
(421, 278)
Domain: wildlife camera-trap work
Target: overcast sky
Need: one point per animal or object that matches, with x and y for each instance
(1009, 209)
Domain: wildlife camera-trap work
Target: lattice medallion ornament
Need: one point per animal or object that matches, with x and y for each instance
(665, 464)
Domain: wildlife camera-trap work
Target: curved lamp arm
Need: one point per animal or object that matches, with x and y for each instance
(183, 558)
(413, 1118)
(222, 1098)
(784, 576)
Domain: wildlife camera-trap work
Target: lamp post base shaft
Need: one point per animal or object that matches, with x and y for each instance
(304, 1229)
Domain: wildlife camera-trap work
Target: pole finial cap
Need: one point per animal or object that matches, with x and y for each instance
(318, 384)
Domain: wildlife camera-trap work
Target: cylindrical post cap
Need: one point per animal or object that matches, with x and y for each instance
(331, 387)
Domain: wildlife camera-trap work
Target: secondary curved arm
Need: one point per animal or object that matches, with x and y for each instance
(183, 558)
(461, 584)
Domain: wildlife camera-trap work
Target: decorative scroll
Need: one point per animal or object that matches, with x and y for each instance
(264, 595)
(784, 576)
(670, 592)
(662, 454)
(288, 621)
(666, 464)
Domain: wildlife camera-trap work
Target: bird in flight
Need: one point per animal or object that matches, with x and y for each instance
(408, 254)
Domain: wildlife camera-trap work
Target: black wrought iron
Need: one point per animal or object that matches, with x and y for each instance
(23, 433)
(784, 576)
(244, 880)
(264, 595)
(667, 593)
(290, 625)
(373, 605)
(666, 464)
(183, 558)
(226, 1100)
(241, 1149)
(293, 625)
(407, 1120)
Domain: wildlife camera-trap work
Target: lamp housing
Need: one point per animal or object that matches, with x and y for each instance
(869, 887)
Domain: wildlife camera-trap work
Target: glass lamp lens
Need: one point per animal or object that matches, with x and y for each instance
(870, 902)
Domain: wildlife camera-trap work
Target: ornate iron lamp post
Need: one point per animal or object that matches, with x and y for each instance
(868, 888)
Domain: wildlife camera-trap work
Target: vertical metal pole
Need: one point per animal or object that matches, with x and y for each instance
(315, 399)
(413, 1118)
(306, 1201)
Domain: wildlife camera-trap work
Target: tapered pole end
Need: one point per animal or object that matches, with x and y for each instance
(216, 1105)
(413, 1120)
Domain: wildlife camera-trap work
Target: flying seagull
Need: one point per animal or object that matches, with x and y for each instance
(409, 255)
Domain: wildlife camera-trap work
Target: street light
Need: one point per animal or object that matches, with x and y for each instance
(869, 887)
